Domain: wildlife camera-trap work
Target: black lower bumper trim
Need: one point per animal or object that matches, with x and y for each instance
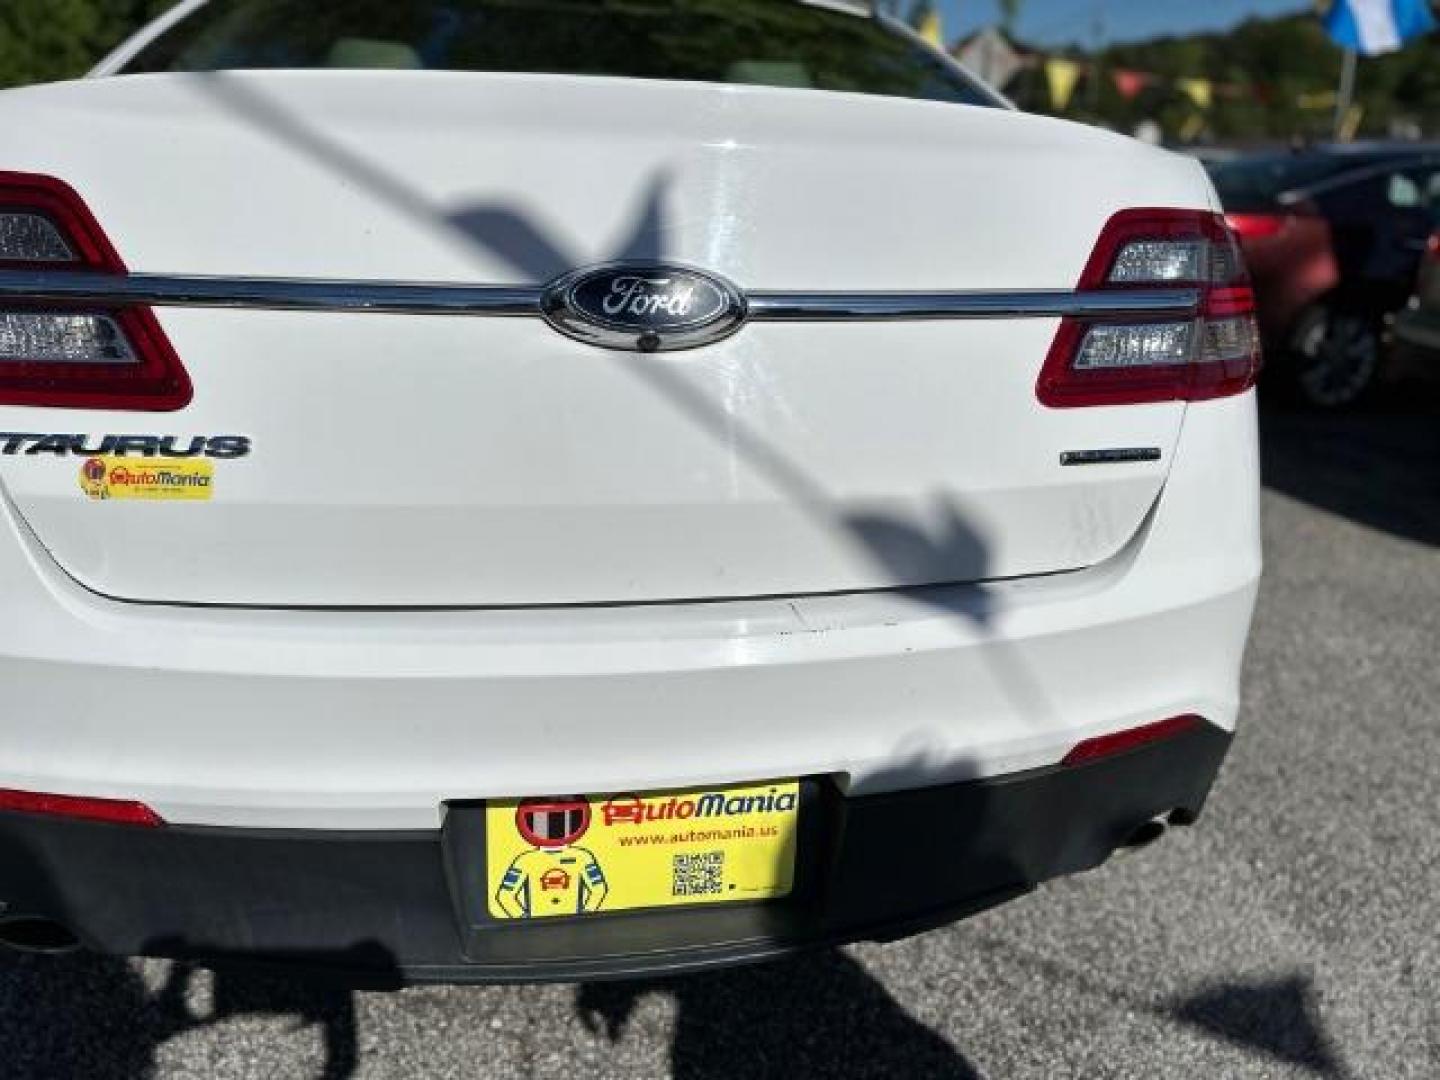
(380, 909)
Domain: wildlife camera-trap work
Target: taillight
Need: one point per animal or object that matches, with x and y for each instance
(1210, 351)
(1432, 247)
(77, 356)
(1255, 226)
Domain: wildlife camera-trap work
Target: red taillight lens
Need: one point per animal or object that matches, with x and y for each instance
(75, 356)
(1211, 352)
(1255, 226)
(115, 811)
(1121, 742)
(1432, 247)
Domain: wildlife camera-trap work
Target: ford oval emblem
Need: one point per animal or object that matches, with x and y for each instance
(644, 307)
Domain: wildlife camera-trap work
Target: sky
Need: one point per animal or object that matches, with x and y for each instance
(1057, 22)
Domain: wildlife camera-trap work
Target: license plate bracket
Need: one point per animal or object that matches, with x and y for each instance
(477, 857)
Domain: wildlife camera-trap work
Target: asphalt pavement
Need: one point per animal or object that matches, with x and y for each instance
(1293, 933)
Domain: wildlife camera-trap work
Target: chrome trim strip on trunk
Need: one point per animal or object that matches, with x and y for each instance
(418, 298)
(879, 306)
(275, 294)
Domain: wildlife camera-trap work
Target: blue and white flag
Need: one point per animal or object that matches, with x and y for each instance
(1378, 26)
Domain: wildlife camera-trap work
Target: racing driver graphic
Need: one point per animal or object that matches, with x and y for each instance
(555, 877)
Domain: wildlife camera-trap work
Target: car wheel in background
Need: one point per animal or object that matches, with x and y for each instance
(1335, 357)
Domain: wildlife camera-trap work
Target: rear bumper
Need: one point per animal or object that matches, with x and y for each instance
(384, 909)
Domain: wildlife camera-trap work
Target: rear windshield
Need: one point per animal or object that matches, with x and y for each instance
(766, 42)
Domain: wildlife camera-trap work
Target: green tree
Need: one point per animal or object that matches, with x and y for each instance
(1274, 80)
(42, 40)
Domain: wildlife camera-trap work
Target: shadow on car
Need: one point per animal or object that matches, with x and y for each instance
(1379, 467)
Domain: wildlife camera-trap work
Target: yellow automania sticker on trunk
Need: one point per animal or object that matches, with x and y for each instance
(131, 478)
(576, 854)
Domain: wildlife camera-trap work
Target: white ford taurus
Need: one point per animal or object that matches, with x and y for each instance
(503, 490)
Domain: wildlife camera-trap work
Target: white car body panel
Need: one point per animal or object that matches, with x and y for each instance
(414, 461)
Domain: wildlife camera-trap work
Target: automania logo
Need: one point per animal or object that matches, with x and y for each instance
(105, 478)
(644, 307)
(633, 810)
(120, 476)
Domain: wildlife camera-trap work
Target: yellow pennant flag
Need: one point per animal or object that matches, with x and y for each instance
(1320, 99)
(1200, 91)
(932, 29)
(1062, 75)
(1350, 124)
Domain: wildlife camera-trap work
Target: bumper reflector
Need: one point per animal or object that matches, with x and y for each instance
(115, 811)
(1120, 742)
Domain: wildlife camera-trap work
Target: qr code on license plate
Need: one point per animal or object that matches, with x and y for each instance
(700, 874)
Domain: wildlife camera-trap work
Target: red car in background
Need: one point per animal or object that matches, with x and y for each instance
(1333, 238)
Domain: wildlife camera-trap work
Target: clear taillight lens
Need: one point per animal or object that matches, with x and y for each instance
(1211, 352)
(101, 357)
(1229, 340)
(32, 238)
(46, 337)
(1139, 345)
(1149, 262)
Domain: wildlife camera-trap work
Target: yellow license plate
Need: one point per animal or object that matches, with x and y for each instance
(577, 855)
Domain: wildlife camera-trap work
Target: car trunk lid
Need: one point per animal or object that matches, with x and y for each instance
(421, 460)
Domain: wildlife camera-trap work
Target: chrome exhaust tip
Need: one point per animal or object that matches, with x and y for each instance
(1145, 834)
(37, 935)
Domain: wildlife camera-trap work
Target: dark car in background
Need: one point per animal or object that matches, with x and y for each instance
(1417, 328)
(1333, 237)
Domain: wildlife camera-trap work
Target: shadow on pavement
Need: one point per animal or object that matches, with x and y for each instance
(817, 1015)
(84, 1016)
(92, 1016)
(331, 1008)
(1279, 1018)
(1379, 467)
